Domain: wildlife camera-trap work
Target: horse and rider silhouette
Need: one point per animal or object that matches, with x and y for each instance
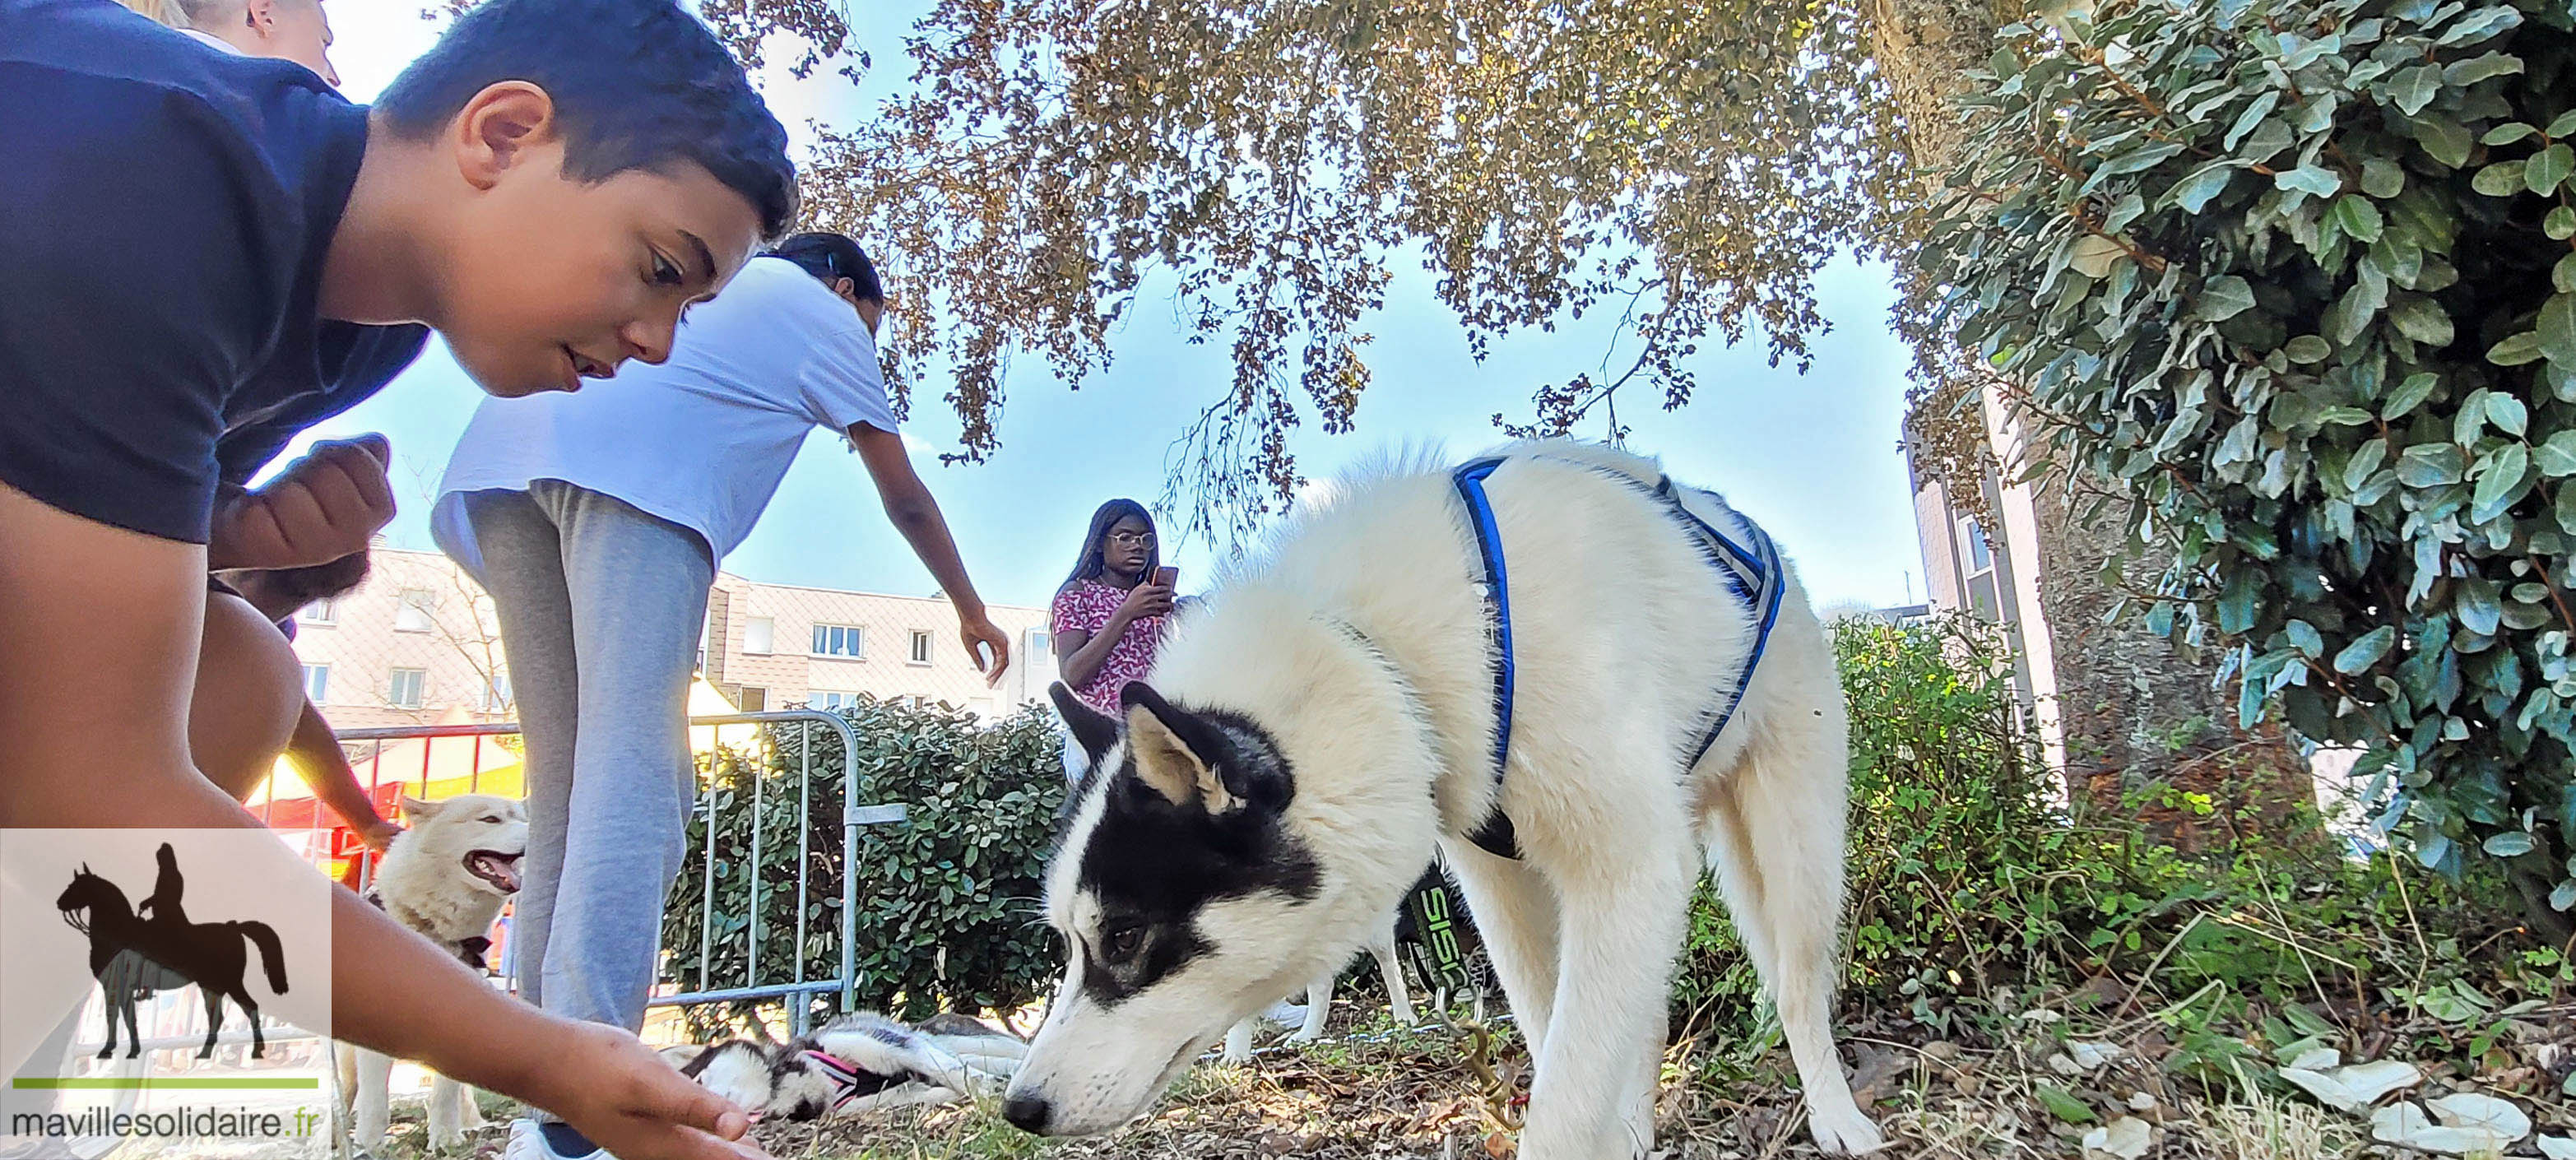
(133, 955)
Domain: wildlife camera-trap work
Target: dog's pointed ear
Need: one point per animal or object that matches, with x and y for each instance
(416, 811)
(1175, 753)
(1092, 729)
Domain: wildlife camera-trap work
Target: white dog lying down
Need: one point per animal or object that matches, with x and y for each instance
(860, 1062)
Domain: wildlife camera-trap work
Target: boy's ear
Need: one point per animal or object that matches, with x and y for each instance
(495, 130)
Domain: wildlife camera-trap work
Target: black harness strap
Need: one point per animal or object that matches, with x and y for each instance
(474, 951)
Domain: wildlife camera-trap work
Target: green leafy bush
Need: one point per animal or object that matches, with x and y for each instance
(1967, 882)
(2296, 278)
(948, 899)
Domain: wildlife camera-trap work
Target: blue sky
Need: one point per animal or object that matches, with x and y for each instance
(1813, 457)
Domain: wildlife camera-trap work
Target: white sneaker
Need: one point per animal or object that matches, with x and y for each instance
(528, 1142)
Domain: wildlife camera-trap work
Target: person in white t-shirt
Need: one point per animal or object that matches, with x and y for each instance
(596, 520)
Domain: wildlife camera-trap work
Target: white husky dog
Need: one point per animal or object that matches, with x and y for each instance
(1319, 1001)
(1310, 735)
(861, 1062)
(445, 877)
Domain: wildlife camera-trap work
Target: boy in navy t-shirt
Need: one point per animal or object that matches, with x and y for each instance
(205, 253)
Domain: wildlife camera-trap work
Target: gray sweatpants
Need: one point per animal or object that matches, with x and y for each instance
(601, 608)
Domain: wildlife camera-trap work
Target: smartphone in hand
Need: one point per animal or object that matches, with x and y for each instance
(1167, 576)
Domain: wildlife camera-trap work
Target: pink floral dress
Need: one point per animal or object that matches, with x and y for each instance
(1085, 607)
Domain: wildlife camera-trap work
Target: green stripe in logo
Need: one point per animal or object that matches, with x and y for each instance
(205, 1083)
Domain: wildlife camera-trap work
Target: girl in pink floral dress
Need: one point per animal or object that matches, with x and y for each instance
(1108, 617)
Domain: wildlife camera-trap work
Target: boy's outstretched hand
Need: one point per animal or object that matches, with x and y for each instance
(634, 1104)
(323, 507)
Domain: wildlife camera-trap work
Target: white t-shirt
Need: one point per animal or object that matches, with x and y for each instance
(701, 440)
(211, 40)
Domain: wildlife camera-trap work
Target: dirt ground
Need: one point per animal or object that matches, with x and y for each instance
(2036, 1093)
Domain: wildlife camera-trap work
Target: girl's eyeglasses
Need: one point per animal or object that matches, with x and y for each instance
(1132, 539)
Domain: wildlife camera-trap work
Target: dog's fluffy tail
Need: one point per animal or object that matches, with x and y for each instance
(272, 957)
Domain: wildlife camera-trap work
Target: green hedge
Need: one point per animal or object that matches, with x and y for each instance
(948, 900)
(2296, 278)
(1969, 885)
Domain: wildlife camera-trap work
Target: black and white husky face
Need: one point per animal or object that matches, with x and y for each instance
(1181, 895)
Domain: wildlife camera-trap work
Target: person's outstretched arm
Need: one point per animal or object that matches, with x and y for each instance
(102, 626)
(317, 755)
(908, 504)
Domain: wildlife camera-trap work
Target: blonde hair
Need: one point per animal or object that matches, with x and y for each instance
(166, 11)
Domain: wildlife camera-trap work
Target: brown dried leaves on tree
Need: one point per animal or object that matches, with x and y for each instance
(1689, 165)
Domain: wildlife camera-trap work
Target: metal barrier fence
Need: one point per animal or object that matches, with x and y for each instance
(854, 814)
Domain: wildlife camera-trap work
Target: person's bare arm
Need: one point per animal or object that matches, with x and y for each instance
(317, 755)
(1081, 654)
(102, 627)
(1068, 645)
(912, 510)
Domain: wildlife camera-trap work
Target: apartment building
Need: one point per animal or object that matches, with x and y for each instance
(418, 643)
(771, 646)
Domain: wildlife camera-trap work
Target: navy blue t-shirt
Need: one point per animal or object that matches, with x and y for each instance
(165, 210)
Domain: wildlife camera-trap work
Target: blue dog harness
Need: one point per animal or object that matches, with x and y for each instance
(1751, 570)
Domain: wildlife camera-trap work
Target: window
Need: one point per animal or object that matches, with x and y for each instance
(496, 693)
(317, 684)
(752, 699)
(413, 615)
(920, 647)
(1980, 554)
(1041, 644)
(1979, 561)
(832, 702)
(836, 640)
(325, 612)
(759, 634)
(410, 689)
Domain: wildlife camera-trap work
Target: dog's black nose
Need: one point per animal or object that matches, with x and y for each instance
(1027, 1113)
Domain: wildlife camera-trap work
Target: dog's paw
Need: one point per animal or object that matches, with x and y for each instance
(1844, 1132)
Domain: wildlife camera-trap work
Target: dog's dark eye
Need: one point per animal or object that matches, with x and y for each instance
(1120, 943)
(495, 819)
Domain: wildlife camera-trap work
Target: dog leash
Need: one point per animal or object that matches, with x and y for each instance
(1751, 570)
(845, 1078)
